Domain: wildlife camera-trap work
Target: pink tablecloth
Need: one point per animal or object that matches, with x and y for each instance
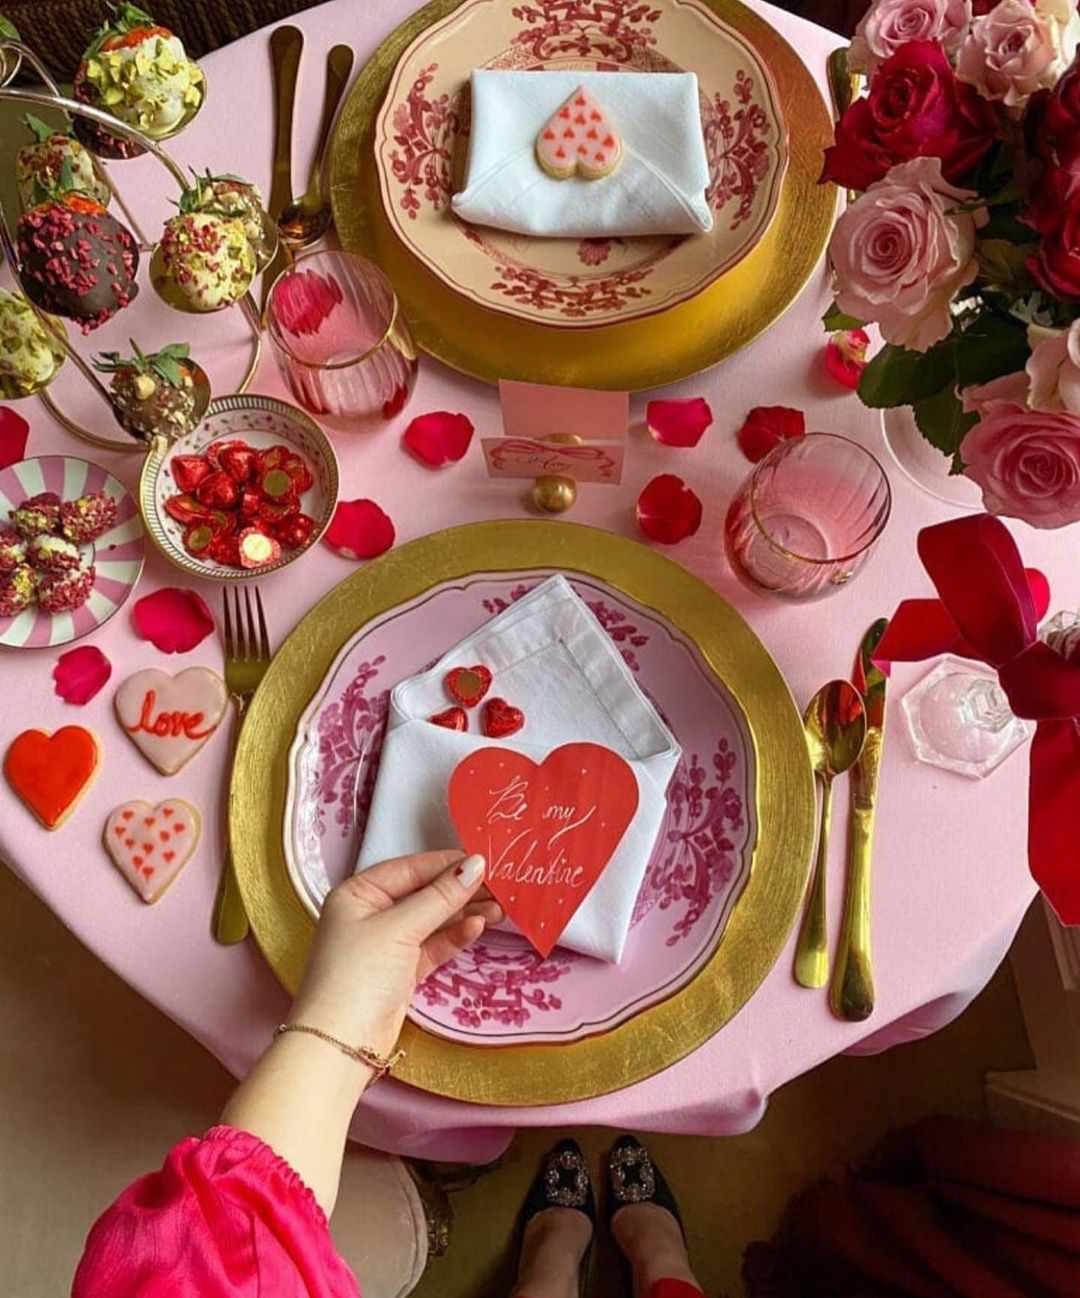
(951, 884)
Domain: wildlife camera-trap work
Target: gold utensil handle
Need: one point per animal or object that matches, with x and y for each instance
(812, 950)
(339, 65)
(286, 46)
(230, 918)
(852, 992)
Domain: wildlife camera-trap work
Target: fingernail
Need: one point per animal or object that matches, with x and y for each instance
(471, 870)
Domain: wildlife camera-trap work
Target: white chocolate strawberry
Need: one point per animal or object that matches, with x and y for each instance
(579, 139)
(150, 845)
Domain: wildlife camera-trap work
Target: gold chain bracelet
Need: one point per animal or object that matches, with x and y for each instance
(379, 1065)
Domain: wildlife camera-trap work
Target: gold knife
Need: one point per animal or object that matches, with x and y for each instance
(286, 46)
(852, 992)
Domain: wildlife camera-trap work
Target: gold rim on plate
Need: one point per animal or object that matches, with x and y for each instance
(639, 354)
(527, 1075)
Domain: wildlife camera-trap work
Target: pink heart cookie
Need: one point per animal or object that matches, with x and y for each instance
(169, 718)
(151, 861)
(579, 138)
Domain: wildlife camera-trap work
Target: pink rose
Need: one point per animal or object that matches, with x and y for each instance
(1012, 52)
(1054, 368)
(1027, 462)
(901, 252)
(888, 24)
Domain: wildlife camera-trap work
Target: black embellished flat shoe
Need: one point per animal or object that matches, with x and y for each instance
(562, 1182)
(634, 1178)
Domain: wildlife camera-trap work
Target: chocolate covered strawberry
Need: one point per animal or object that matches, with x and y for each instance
(154, 392)
(77, 261)
(54, 163)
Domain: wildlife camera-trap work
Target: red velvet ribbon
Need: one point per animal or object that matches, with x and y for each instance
(989, 610)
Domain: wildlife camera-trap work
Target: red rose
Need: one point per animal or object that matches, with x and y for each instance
(1052, 122)
(916, 107)
(1056, 265)
(1054, 193)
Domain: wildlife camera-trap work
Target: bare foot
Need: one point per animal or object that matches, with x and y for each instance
(551, 1253)
(652, 1242)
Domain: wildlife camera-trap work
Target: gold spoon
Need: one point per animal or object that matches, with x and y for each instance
(835, 727)
(306, 219)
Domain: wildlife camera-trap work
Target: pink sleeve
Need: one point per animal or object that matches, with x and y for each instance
(224, 1218)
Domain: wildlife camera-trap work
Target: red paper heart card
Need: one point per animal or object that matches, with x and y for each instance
(547, 831)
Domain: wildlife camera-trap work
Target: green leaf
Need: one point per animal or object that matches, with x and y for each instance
(40, 130)
(834, 319)
(1003, 224)
(1003, 265)
(168, 368)
(8, 30)
(991, 346)
(176, 351)
(899, 377)
(942, 421)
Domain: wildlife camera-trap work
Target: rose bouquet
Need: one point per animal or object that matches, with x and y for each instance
(962, 243)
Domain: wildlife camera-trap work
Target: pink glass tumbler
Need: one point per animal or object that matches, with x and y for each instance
(341, 343)
(806, 520)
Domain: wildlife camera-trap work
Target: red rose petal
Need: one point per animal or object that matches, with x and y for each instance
(303, 300)
(439, 437)
(80, 673)
(844, 356)
(14, 430)
(173, 620)
(668, 511)
(766, 427)
(678, 423)
(359, 530)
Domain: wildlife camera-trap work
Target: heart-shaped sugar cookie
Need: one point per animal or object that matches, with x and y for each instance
(150, 845)
(579, 139)
(50, 773)
(169, 718)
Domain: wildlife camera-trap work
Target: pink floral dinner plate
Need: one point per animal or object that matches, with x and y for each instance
(421, 142)
(501, 990)
(117, 556)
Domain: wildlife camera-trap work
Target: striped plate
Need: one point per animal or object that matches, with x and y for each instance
(118, 555)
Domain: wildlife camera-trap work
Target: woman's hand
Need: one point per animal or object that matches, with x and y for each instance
(382, 932)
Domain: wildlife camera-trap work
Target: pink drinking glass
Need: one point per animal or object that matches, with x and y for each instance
(806, 520)
(340, 340)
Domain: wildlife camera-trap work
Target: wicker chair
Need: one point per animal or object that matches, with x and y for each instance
(59, 30)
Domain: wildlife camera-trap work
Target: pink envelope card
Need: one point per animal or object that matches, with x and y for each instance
(539, 410)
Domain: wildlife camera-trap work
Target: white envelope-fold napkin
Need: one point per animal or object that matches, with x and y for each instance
(658, 188)
(549, 657)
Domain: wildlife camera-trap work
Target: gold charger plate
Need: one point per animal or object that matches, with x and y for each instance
(526, 1075)
(639, 354)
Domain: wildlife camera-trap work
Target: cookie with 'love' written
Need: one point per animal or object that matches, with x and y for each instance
(169, 718)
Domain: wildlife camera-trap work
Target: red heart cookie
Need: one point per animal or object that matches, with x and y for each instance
(546, 831)
(50, 773)
(451, 719)
(468, 685)
(148, 870)
(500, 719)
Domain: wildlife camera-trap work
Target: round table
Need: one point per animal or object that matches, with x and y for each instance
(951, 881)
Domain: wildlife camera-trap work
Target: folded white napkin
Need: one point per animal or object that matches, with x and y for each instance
(549, 657)
(658, 188)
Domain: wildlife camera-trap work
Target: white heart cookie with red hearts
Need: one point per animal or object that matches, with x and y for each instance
(579, 138)
(150, 845)
(169, 718)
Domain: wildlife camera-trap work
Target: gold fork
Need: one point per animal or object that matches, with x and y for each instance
(247, 656)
